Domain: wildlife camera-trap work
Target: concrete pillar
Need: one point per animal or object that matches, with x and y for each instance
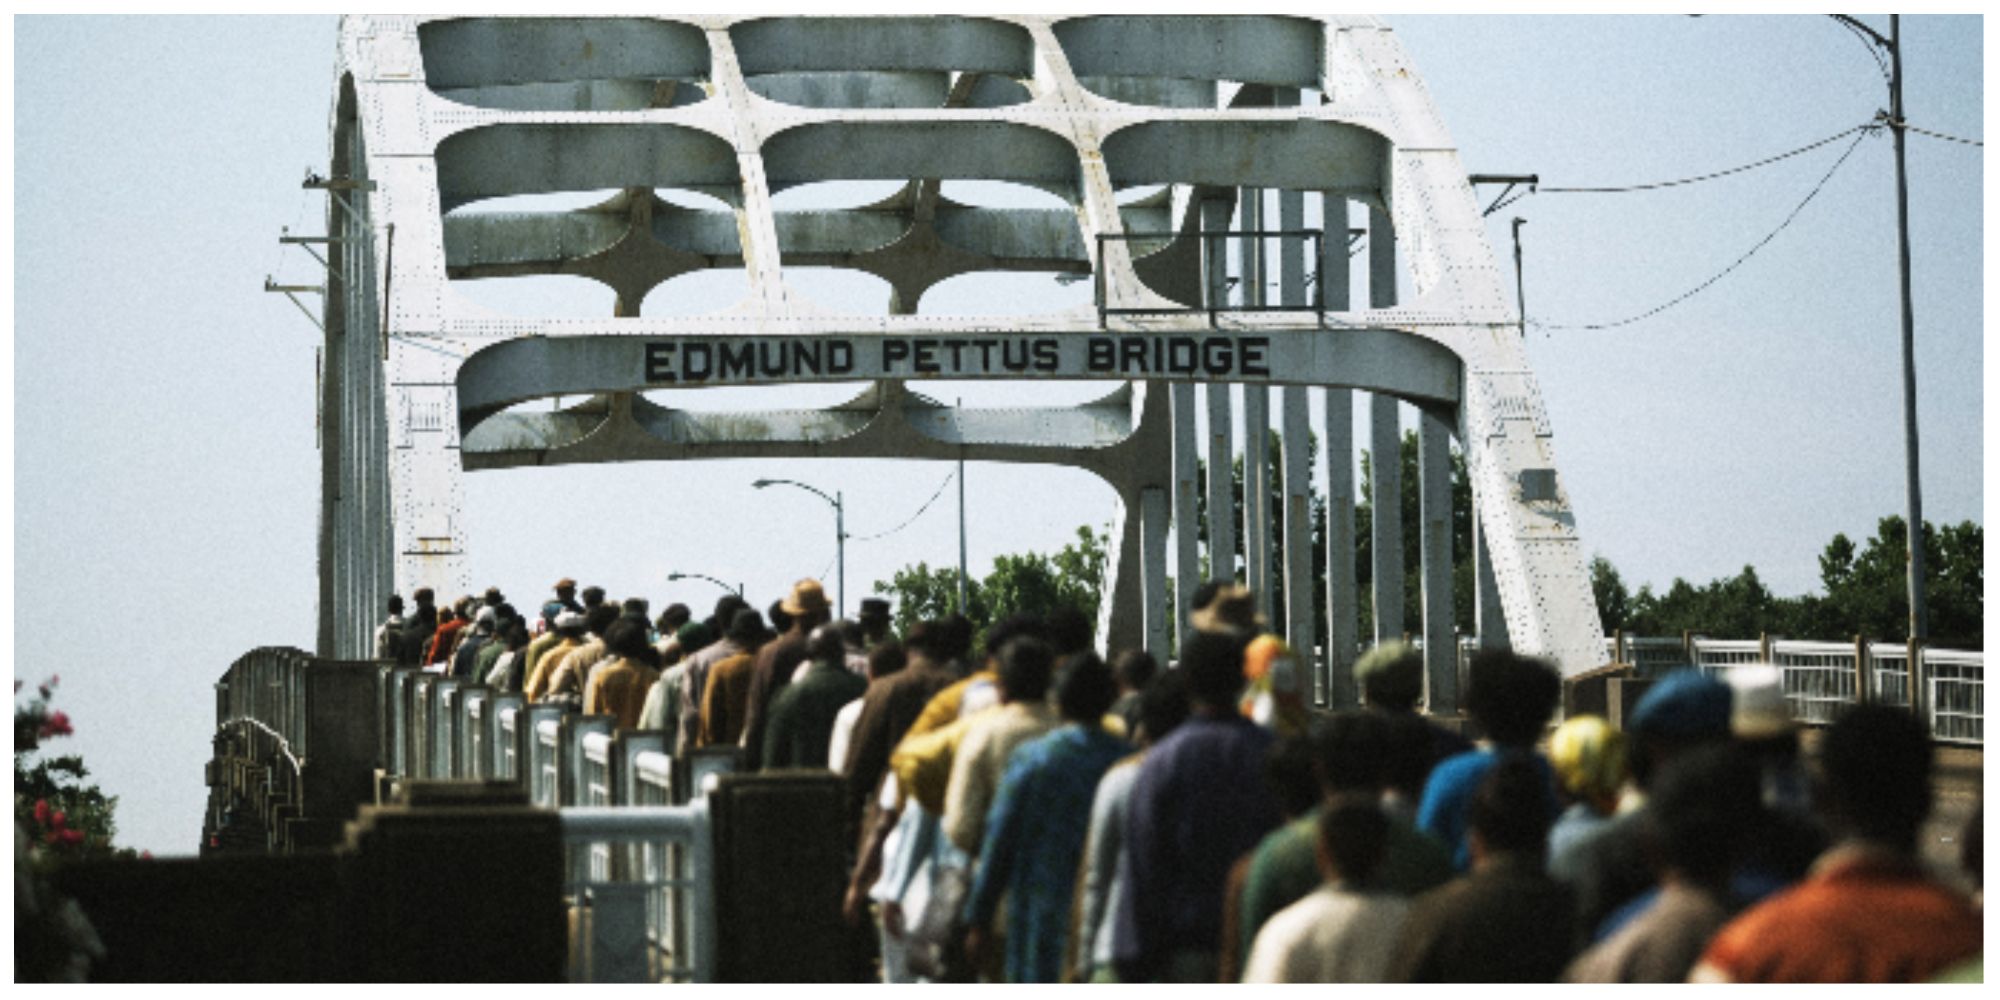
(1434, 494)
(1187, 487)
(1386, 449)
(1221, 510)
(1153, 566)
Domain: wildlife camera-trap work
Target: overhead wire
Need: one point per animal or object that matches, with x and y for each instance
(1907, 127)
(1718, 276)
(912, 519)
(1712, 176)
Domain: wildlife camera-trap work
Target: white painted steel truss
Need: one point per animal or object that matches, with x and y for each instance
(434, 114)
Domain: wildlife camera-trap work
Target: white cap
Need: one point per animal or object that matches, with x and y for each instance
(1758, 707)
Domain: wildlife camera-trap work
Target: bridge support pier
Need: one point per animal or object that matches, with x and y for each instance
(1434, 500)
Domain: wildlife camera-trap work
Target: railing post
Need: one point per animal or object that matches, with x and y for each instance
(1920, 691)
(1687, 649)
(1863, 693)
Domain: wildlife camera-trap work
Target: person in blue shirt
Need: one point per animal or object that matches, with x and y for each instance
(1036, 826)
(1511, 698)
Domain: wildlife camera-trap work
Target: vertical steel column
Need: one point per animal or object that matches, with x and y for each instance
(1296, 455)
(1434, 496)
(1221, 509)
(1187, 486)
(1153, 567)
(1337, 689)
(1256, 419)
(1386, 449)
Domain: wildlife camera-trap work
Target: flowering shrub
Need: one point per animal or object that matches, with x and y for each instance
(62, 814)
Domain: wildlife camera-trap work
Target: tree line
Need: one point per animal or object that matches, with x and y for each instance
(1863, 585)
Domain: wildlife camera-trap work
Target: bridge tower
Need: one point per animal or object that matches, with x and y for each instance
(1235, 129)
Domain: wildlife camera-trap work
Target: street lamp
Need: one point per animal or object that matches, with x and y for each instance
(839, 533)
(737, 590)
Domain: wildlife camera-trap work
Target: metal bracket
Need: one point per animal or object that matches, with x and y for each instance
(290, 290)
(1512, 181)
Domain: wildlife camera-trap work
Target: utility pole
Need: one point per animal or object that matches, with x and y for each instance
(1919, 620)
(959, 403)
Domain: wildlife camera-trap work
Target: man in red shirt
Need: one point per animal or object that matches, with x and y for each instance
(1866, 913)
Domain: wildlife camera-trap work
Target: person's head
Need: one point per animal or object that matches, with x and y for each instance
(571, 625)
(504, 613)
(635, 608)
(928, 642)
(445, 616)
(692, 637)
(592, 597)
(1347, 748)
(1290, 771)
(874, 618)
(516, 633)
(1133, 669)
(551, 611)
(395, 604)
(1391, 676)
(485, 621)
(957, 636)
(1069, 630)
(1703, 804)
(1353, 839)
(1680, 711)
(746, 628)
(492, 597)
(1589, 760)
(781, 620)
(626, 638)
(1511, 696)
(1875, 765)
(824, 645)
(807, 605)
(725, 610)
(462, 608)
(1163, 705)
(1510, 809)
(1008, 629)
(673, 618)
(1084, 688)
(600, 617)
(1213, 663)
(886, 659)
(1205, 594)
(424, 598)
(565, 590)
(850, 633)
(1026, 663)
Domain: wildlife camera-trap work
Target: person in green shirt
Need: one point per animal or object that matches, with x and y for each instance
(1353, 749)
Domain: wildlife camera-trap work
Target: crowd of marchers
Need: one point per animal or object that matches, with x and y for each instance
(1026, 812)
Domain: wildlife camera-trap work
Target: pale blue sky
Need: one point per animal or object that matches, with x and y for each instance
(166, 482)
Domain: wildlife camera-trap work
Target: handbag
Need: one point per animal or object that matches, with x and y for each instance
(937, 942)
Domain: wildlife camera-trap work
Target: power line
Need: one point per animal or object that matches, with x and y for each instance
(1708, 177)
(1907, 127)
(913, 517)
(1696, 290)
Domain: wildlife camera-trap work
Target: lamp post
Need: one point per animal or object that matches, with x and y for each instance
(737, 590)
(839, 533)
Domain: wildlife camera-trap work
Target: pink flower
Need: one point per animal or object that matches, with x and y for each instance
(57, 724)
(57, 819)
(145, 855)
(72, 837)
(41, 812)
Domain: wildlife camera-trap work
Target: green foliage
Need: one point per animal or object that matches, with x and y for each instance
(1023, 583)
(62, 813)
(1866, 594)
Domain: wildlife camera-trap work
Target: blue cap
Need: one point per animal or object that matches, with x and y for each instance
(1684, 705)
(552, 609)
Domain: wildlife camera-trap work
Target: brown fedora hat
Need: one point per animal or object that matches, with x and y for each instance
(807, 598)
